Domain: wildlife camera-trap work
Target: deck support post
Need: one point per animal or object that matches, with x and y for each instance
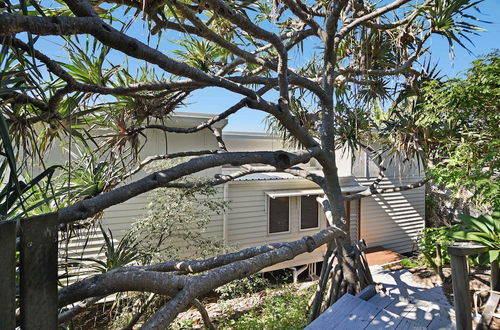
(8, 275)
(495, 276)
(38, 281)
(460, 280)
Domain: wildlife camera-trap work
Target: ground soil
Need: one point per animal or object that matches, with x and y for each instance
(232, 308)
(98, 317)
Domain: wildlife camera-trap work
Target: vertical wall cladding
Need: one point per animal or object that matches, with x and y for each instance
(119, 219)
(391, 220)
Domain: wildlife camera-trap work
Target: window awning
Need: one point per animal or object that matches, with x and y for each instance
(308, 192)
(295, 192)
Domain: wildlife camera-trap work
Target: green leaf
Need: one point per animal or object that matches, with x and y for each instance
(474, 223)
(471, 236)
(493, 255)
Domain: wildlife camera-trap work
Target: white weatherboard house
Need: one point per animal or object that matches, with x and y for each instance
(275, 207)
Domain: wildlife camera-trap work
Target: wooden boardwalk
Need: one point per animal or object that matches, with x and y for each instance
(402, 306)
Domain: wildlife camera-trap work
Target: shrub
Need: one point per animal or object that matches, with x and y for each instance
(408, 263)
(427, 243)
(238, 288)
(176, 220)
(484, 230)
(286, 310)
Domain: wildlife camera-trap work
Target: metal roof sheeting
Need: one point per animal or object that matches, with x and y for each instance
(308, 192)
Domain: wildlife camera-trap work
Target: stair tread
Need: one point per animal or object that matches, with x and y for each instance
(336, 312)
(406, 324)
(439, 323)
(381, 299)
(358, 318)
(388, 311)
(384, 320)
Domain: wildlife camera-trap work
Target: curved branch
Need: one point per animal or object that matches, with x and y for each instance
(204, 283)
(105, 33)
(204, 315)
(79, 308)
(238, 106)
(220, 7)
(306, 17)
(370, 192)
(121, 280)
(89, 207)
(376, 13)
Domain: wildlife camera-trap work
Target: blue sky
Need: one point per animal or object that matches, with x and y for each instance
(215, 100)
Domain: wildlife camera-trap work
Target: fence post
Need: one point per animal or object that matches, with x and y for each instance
(8, 275)
(495, 276)
(460, 280)
(39, 272)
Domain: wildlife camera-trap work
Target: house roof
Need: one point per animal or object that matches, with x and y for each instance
(188, 119)
(267, 176)
(349, 188)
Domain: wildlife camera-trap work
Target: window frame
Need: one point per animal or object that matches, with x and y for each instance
(300, 214)
(268, 211)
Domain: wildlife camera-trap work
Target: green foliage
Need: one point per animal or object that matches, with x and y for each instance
(466, 114)
(484, 230)
(115, 254)
(21, 195)
(408, 263)
(238, 288)
(286, 310)
(427, 243)
(445, 17)
(177, 219)
(201, 54)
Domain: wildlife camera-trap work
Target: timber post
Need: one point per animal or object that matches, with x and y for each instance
(460, 280)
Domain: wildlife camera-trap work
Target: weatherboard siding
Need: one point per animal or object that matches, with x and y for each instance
(248, 218)
(393, 220)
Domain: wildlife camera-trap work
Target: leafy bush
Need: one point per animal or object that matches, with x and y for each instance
(286, 310)
(238, 288)
(427, 243)
(176, 219)
(484, 230)
(408, 263)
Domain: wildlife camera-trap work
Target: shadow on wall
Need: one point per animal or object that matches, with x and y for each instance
(393, 220)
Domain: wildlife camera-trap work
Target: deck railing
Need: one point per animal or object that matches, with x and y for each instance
(460, 280)
(36, 294)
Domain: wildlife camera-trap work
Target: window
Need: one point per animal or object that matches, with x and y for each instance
(309, 217)
(279, 215)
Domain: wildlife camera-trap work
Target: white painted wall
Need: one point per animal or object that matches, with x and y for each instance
(392, 220)
(247, 217)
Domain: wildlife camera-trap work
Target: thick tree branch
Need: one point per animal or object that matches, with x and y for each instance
(89, 207)
(376, 13)
(202, 284)
(370, 192)
(121, 280)
(151, 159)
(105, 33)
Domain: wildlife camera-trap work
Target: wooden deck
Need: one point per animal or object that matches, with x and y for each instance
(402, 306)
(377, 255)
